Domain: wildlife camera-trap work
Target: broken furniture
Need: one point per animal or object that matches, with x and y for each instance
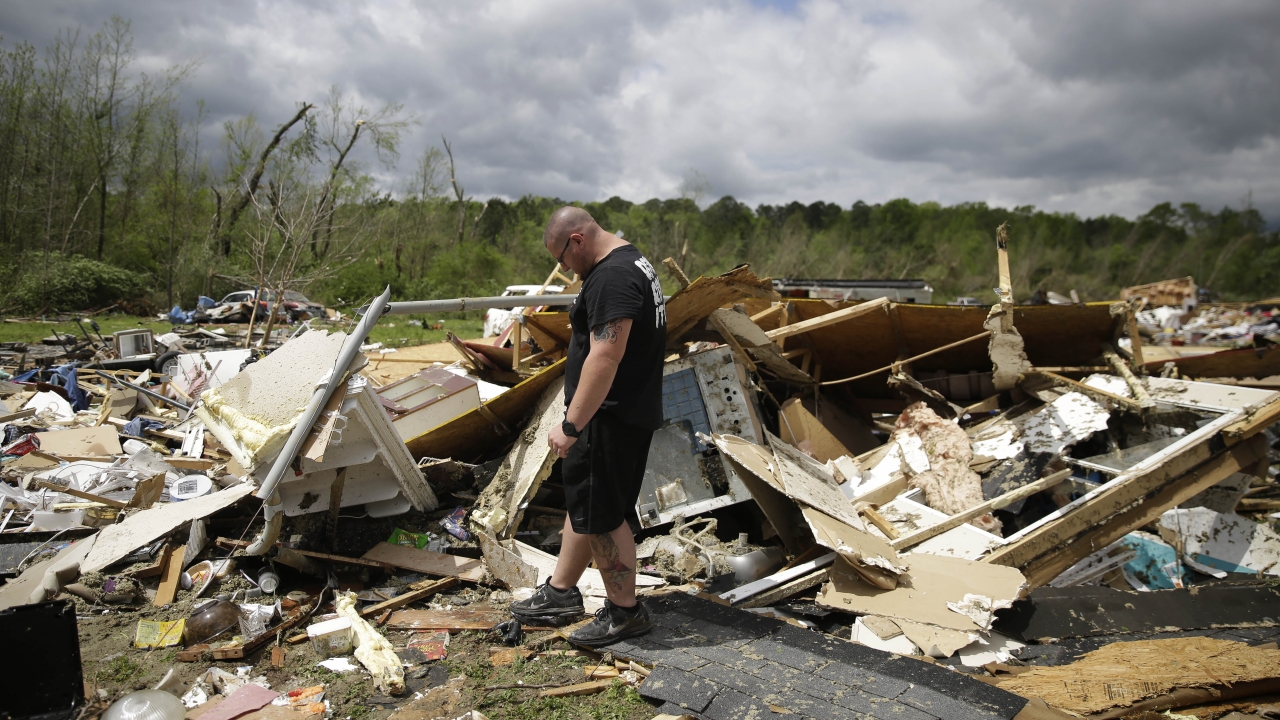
(353, 455)
(428, 399)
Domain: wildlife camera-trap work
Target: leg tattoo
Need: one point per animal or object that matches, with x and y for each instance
(614, 572)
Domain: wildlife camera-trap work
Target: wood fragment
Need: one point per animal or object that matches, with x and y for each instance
(172, 573)
(828, 319)
(586, 688)
(419, 593)
(993, 504)
(44, 484)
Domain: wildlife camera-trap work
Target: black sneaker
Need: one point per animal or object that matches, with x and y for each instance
(548, 602)
(612, 624)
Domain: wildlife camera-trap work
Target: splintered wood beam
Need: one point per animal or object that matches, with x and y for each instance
(420, 591)
(1090, 392)
(829, 319)
(1135, 339)
(996, 503)
(773, 309)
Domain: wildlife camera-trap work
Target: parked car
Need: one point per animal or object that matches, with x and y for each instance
(234, 307)
(300, 308)
(295, 306)
(497, 319)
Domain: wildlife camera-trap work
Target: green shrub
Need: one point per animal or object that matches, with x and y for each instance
(56, 282)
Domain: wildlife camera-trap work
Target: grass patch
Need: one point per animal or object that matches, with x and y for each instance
(34, 332)
(468, 656)
(392, 331)
(119, 671)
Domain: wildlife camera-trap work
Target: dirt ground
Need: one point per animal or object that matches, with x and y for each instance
(114, 666)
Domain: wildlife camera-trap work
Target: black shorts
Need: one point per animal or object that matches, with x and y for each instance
(602, 474)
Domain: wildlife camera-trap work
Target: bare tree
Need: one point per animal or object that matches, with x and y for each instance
(247, 192)
(342, 127)
(279, 238)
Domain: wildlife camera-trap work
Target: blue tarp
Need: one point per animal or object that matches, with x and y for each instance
(137, 426)
(64, 376)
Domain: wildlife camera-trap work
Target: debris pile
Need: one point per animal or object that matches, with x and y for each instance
(1021, 496)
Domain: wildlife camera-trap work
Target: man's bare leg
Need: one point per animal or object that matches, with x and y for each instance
(575, 556)
(615, 555)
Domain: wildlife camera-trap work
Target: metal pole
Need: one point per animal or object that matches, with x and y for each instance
(322, 393)
(412, 307)
(149, 393)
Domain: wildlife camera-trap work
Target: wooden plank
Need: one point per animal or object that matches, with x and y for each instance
(1062, 538)
(690, 305)
(981, 509)
(800, 584)
(171, 574)
(1254, 421)
(586, 688)
(190, 463)
(1245, 363)
(82, 495)
(453, 620)
(1149, 510)
(425, 561)
(344, 559)
(418, 593)
(822, 321)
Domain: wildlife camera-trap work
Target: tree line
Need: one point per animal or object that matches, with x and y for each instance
(110, 194)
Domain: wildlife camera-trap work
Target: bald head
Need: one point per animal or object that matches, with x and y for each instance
(566, 221)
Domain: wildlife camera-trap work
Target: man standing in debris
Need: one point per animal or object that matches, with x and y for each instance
(613, 396)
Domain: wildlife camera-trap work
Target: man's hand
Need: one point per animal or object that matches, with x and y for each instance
(560, 442)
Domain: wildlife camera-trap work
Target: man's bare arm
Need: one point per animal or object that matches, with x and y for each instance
(608, 344)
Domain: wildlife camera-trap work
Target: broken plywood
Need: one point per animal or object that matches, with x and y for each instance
(808, 482)
(800, 428)
(119, 540)
(98, 441)
(925, 592)
(870, 556)
(426, 561)
(755, 467)
(1122, 674)
(500, 506)
(692, 304)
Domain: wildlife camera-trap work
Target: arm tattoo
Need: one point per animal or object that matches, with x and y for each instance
(609, 559)
(607, 332)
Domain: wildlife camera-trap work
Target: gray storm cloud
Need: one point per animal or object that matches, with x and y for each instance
(1089, 107)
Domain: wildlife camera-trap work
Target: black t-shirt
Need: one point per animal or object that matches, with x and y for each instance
(623, 285)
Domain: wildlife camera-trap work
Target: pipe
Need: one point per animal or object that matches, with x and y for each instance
(413, 307)
(324, 390)
(149, 393)
(273, 512)
(483, 303)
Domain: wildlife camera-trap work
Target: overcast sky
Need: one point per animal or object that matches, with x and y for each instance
(1090, 107)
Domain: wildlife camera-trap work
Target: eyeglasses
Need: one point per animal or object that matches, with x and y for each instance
(567, 242)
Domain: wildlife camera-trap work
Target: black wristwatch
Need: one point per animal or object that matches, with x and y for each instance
(569, 429)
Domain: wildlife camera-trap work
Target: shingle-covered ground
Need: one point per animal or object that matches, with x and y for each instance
(716, 662)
